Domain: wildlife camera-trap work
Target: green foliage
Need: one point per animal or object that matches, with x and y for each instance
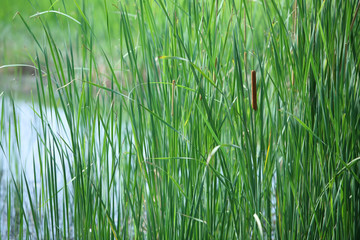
(155, 135)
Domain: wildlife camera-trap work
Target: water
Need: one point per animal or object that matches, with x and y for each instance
(21, 156)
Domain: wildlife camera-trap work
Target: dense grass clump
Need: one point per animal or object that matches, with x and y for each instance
(187, 119)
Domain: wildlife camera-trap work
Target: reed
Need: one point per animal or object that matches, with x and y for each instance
(129, 145)
(172, 97)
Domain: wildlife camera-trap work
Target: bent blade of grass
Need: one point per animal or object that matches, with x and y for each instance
(212, 153)
(329, 186)
(45, 202)
(163, 121)
(56, 12)
(194, 65)
(172, 179)
(110, 90)
(307, 128)
(20, 65)
(163, 83)
(258, 223)
(347, 167)
(193, 218)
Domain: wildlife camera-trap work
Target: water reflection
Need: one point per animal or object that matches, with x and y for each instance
(32, 138)
(21, 147)
(21, 136)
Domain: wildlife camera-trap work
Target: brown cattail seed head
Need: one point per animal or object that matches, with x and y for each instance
(214, 72)
(253, 90)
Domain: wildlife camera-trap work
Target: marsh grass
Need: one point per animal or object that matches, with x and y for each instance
(156, 131)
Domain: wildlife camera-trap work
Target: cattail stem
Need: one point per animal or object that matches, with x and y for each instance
(294, 36)
(245, 62)
(253, 90)
(295, 19)
(245, 37)
(245, 25)
(172, 98)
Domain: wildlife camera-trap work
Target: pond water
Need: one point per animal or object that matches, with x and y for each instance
(19, 156)
(28, 126)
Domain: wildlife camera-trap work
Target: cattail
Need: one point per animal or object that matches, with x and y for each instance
(172, 98)
(214, 72)
(253, 90)
(292, 72)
